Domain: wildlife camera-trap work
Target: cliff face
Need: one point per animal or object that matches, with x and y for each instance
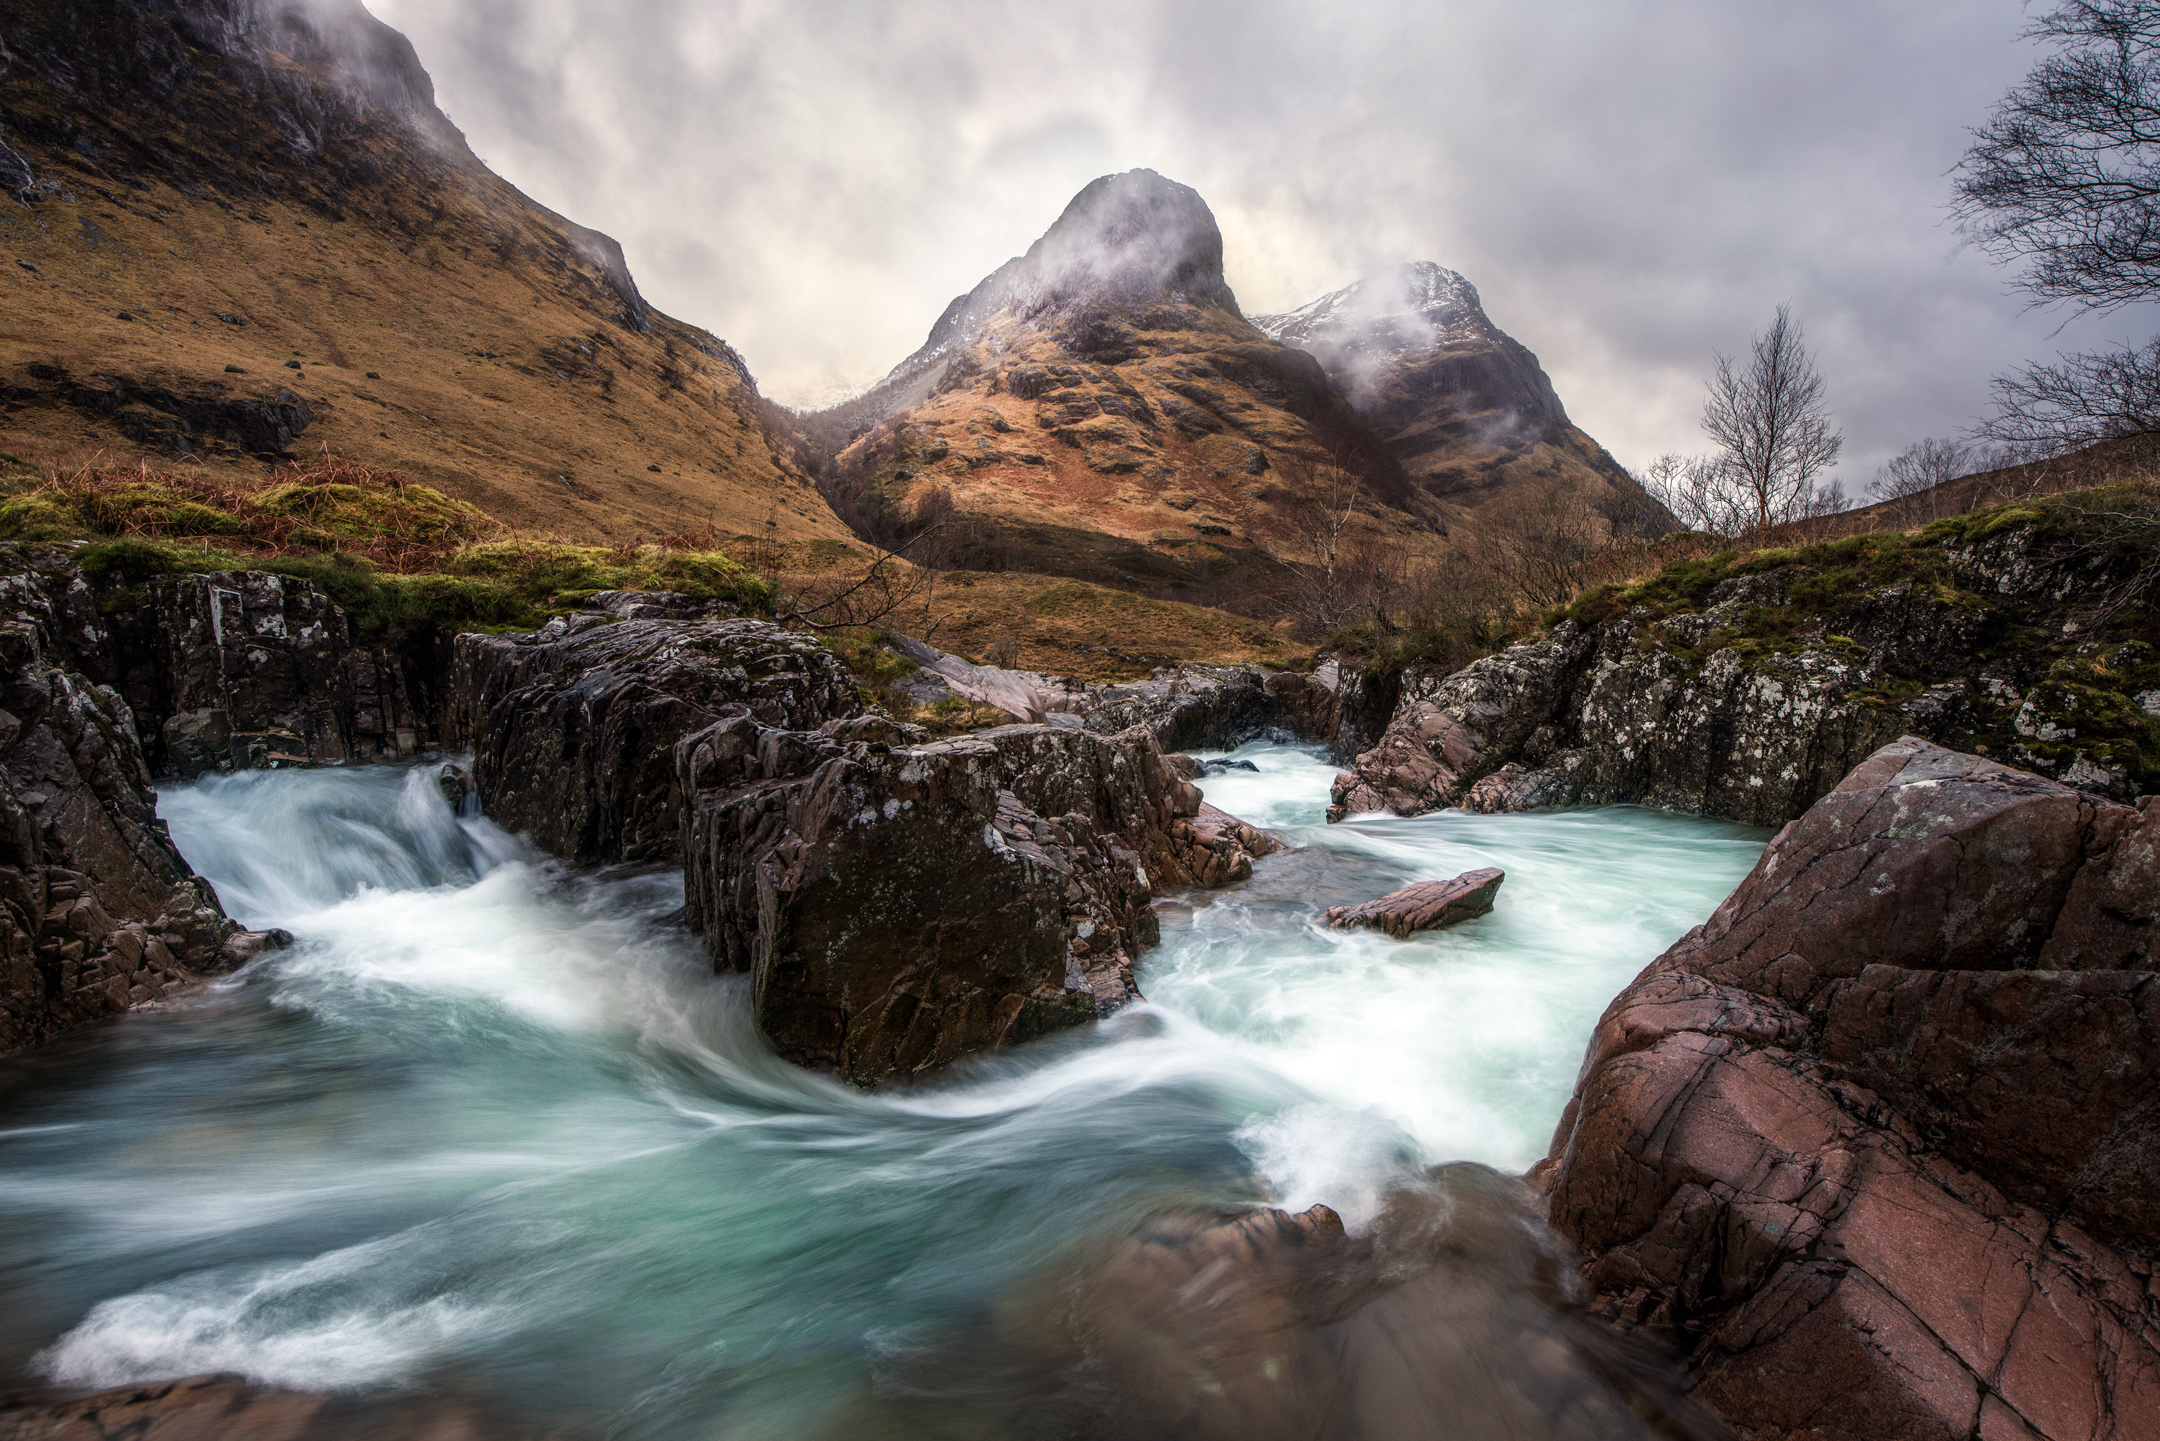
(237, 226)
(1465, 407)
(1101, 407)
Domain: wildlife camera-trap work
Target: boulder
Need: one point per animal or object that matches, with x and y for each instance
(98, 911)
(1877, 1142)
(1424, 906)
(1189, 707)
(1022, 694)
(573, 726)
(901, 903)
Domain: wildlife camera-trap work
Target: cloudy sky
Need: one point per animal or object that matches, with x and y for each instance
(1631, 184)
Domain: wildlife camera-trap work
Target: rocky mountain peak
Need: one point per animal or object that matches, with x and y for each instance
(1130, 238)
(1408, 309)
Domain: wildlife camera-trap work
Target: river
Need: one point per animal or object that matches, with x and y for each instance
(492, 1129)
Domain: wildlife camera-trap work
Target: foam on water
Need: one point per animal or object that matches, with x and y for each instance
(494, 1117)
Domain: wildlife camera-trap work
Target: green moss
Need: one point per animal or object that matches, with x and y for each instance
(37, 517)
(556, 576)
(417, 513)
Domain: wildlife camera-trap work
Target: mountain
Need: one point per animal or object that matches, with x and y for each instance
(1100, 407)
(235, 229)
(1465, 407)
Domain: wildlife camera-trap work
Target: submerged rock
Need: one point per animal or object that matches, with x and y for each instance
(1424, 906)
(227, 1407)
(1878, 1140)
(1444, 1317)
(901, 903)
(573, 726)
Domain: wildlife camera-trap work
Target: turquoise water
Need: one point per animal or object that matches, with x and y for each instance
(492, 1128)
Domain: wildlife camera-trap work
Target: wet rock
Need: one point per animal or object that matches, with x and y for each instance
(1307, 706)
(455, 783)
(255, 671)
(901, 904)
(1445, 1316)
(97, 909)
(1424, 906)
(232, 670)
(195, 1408)
(573, 726)
(1190, 707)
(1877, 1142)
(226, 1407)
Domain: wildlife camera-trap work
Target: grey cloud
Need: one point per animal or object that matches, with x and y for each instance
(1630, 184)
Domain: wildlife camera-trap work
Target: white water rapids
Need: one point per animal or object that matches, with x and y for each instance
(493, 1125)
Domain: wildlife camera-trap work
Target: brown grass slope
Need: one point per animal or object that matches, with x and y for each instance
(1100, 408)
(236, 228)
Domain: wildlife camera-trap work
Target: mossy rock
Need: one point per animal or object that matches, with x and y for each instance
(418, 513)
(36, 518)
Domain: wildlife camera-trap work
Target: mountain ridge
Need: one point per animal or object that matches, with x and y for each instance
(1100, 407)
(226, 207)
(1465, 406)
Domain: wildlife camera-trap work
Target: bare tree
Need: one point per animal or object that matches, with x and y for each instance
(2065, 177)
(1701, 493)
(1309, 533)
(1543, 542)
(2077, 402)
(2066, 173)
(1914, 478)
(1772, 425)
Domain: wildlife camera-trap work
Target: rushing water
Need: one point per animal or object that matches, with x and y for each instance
(492, 1128)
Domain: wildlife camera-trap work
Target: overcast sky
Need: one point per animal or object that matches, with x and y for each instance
(1631, 184)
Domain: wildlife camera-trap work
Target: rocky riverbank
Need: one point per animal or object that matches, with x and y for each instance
(101, 686)
(1746, 686)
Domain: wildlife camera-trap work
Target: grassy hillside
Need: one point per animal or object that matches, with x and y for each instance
(216, 237)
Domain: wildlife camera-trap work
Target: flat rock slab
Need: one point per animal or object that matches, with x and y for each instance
(1426, 906)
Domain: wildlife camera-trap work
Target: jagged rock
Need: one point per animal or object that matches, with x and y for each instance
(1877, 1141)
(1308, 706)
(1632, 710)
(900, 904)
(1189, 707)
(97, 909)
(573, 726)
(252, 670)
(1365, 701)
(227, 670)
(1423, 906)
